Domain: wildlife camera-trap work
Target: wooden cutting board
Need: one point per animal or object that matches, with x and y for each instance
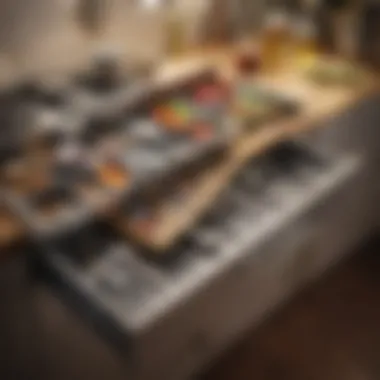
(319, 104)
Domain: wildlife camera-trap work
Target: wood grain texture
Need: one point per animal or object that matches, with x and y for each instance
(319, 105)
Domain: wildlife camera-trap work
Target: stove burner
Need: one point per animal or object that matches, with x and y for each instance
(52, 200)
(88, 242)
(99, 127)
(103, 76)
(38, 92)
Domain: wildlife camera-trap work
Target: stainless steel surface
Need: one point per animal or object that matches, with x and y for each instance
(201, 303)
(357, 131)
(215, 298)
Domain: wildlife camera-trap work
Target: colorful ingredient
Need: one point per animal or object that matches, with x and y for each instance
(114, 175)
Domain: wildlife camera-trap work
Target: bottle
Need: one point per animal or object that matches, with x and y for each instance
(331, 19)
(175, 32)
(304, 41)
(248, 58)
(275, 40)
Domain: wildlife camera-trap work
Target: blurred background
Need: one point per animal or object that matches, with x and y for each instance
(189, 189)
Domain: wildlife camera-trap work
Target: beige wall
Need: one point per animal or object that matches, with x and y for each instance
(42, 34)
(46, 36)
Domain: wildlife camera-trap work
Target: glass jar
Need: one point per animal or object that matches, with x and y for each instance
(175, 31)
(304, 40)
(275, 39)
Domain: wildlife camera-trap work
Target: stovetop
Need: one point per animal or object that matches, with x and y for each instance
(134, 288)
